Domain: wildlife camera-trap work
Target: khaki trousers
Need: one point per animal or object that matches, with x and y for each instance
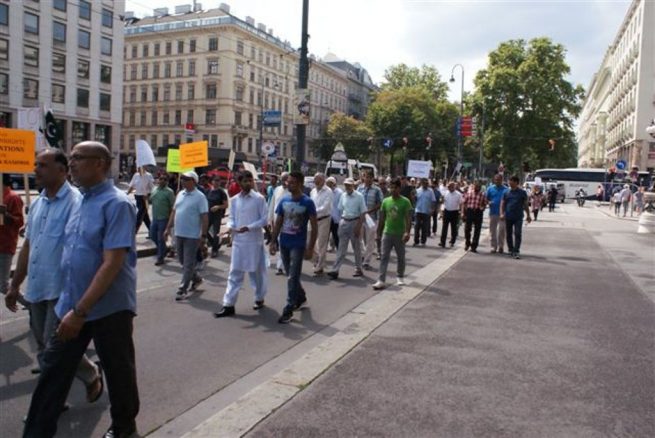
(496, 231)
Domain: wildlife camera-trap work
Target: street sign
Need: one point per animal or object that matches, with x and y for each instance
(268, 149)
(272, 118)
(621, 164)
(388, 143)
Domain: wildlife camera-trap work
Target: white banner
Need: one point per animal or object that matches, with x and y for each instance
(144, 155)
(31, 119)
(419, 169)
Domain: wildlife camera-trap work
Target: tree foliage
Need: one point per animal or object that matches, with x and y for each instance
(527, 100)
(352, 133)
(401, 76)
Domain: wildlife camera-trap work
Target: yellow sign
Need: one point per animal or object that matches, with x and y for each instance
(17, 150)
(194, 154)
(173, 162)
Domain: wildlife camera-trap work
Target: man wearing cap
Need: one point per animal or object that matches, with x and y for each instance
(322, 197)
(352, 208)
(331, 182)
(190, 221)
(373, 199)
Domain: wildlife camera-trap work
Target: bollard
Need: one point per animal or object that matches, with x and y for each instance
(647, 218)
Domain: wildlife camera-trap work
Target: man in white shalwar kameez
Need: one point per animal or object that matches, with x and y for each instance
(248, 217)
(280, 192)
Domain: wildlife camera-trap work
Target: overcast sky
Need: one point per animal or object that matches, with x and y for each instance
(380, 33)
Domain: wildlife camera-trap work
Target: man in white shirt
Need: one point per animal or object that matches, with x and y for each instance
(331, 182)
(280, 192)
(626, 194)
(451, 205)
(142, 184)
(248, 217)
(322, 197)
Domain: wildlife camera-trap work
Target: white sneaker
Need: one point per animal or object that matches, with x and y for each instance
(379, 285)
(400, 281)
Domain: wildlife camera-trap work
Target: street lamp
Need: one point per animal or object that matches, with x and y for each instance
(461, 107)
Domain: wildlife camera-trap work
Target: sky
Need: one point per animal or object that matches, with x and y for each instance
(441, 33)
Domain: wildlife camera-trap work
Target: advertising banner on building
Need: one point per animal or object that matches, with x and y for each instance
(272, 118)
(301, 107)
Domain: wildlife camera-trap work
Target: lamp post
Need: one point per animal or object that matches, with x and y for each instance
(461, 107)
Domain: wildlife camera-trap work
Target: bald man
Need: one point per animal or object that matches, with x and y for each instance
(97, 301)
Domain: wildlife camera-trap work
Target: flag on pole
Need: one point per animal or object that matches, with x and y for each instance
(51, 128)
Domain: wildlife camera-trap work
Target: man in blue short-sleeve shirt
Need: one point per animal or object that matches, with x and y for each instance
(495, 195)
(98, 299)
(512, 206)
(293, 212)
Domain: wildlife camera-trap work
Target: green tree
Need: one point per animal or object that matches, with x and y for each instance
(352, 133)
(527, 101)
(402, 76)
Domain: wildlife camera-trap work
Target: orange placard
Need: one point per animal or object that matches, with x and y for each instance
(17, 150)
(194, 154)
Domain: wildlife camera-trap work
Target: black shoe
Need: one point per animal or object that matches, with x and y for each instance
(452, 244)
(181, 295)
(214, 254)
(195, 283)
(358, 273)
(442, 245)
(258, 305)
(112, 433)
(415, 244)
(159, 262)
(466, 247)
(279, 272)
(300, 302)
(225, 311)
(286, 317)
(474, 250)
(517, 256)
(333, 275)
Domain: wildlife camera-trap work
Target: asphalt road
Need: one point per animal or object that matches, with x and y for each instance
(184, 355)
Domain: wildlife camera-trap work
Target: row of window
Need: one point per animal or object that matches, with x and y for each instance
(168, 48)
(31, 21)
(31, 91)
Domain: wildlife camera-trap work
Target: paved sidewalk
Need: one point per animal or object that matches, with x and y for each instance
(558, 344)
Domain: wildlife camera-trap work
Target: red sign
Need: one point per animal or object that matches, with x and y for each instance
(189, 128)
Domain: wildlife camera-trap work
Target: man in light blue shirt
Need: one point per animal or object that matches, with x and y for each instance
(353, 209)
(495, 194)
(373, 200)
(98, 298)
(191, 220)
(40, 258)
(425, 205)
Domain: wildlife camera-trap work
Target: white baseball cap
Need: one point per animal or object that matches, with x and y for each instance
(331, 179)
(349, 181)
(191, 174)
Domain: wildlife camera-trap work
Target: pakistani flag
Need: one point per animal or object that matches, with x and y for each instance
(51, 129)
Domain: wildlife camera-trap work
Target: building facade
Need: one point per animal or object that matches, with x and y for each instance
(208, 75)
(66, 56)
(620, 102)
(360, 87)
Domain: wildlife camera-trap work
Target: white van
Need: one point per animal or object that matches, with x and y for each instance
(341, 170)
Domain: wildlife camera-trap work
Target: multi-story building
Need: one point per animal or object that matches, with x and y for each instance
(360, 86)
(620, 102)
(208, 75)
(66, 56)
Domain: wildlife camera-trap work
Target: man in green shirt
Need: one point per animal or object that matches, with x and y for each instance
(393, 229)
(162, 200)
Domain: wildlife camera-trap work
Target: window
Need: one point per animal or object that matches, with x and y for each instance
(178, 117)
(4, 14)
(239, 69)
(252, 52)
(189, 116)
(144, 93)
(191, 91)
(192, 67)
(83, 39)
(153, 139)
(237, 118)
(59, 4)
(155, 93)
(105, 102)
(178, 91)
(210, 117)
(103, 134)
(214, 141)
(85, 9)
(212, 66)
(179, 68)
(31, 56)
(4, 84)
(30, 89)
(107, 18)
(145, 50)
(178, 139)
(210, 91)
(82, 98)
(166, 119)
(133, 72)
(169, 47)
(58, 31)
(132, 122)
(180, 46)
(142, 118)
(105, 74)
(58, 62)
(167, 69)
(80, 132)
(252, 96)
(105, 46)
(252, 74)
(155, 70)
(154, 118)
(157, 46)
(31, 23)
(213, 44)
(192, 46)
(82, 69)
(239, 94)
(167, 93)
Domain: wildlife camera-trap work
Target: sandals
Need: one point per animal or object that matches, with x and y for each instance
(91, 395)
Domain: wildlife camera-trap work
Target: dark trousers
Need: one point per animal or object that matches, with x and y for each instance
(473, 221)
(157, 228)
(112, 337)
(435, 220)
(292, 260)
(214, 231)
(551, 205)
(513, 228)
(141, 212)
(421, 227)
(334, 231)
(450, 217)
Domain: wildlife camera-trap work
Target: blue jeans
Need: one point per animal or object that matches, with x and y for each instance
(292, 260)
(157, 228)
(513, 228)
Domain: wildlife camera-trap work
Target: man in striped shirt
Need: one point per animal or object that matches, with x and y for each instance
(473, 206)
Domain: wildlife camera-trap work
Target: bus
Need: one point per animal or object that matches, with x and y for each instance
(589, 179)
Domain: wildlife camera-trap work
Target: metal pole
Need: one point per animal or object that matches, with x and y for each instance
(461, 110)
(261, 124)
(303, 75)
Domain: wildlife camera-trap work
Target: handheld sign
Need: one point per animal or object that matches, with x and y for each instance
(173, 162)
(194, 154)
(17, 150)
(144, 154)
(419, 169)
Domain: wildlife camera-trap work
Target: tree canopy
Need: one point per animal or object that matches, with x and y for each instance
(352, 133)
(402, 76)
